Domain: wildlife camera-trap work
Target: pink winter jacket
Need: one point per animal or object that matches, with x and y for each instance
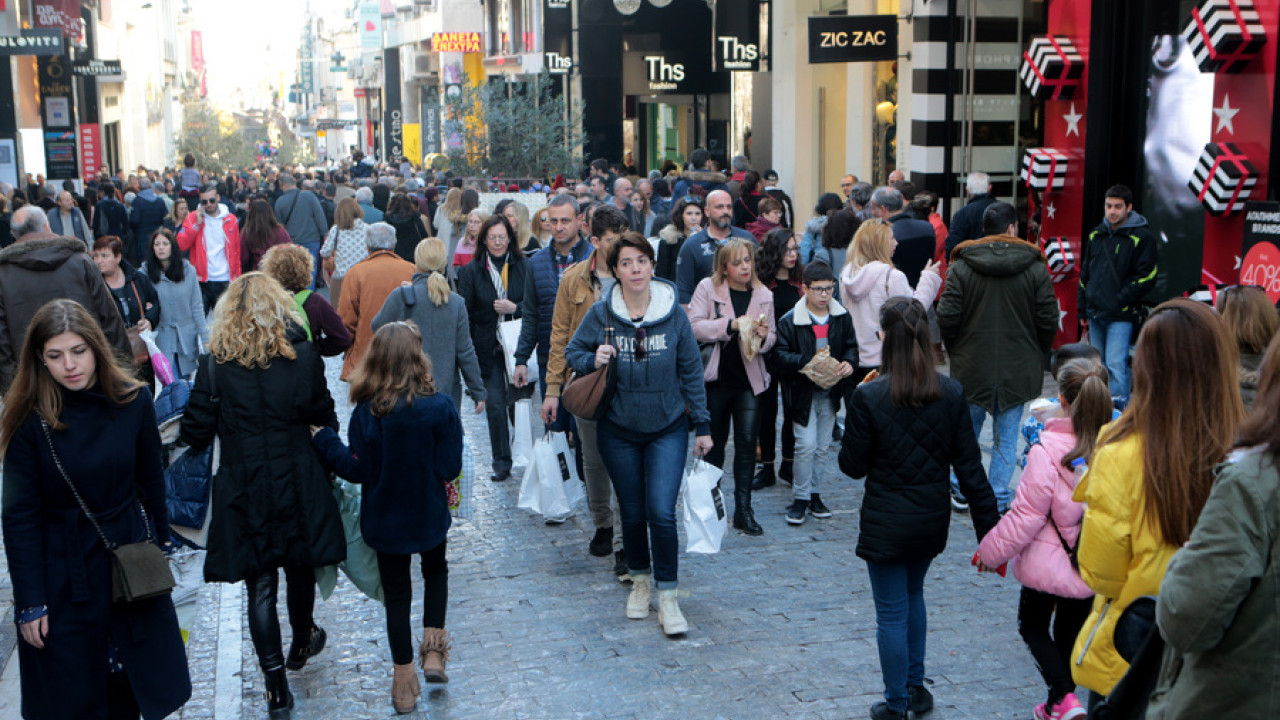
(863, 292)
(1024, 538)
(711, 311)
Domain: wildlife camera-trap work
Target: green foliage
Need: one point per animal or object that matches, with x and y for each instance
(515, 130)
(214, 140)
(295, 151)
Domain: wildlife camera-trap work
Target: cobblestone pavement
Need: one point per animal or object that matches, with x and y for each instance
(780, 626)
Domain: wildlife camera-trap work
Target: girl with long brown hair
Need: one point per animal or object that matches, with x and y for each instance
(1252, 321)
(79, 436)
(406, 444)
(1152, 471)
(261, 232)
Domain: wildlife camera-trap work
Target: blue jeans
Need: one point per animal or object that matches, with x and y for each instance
(901, 624)
(1004, 449)
(314, 249)
(646, 478)
(1112, 338)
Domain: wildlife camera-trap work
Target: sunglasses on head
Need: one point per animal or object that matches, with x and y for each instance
(641, 351)
(692, 200)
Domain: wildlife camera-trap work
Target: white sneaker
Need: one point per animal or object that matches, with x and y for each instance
(638, 600)
(673, 622)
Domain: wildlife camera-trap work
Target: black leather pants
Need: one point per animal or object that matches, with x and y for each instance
(264, 622)
(740, 407)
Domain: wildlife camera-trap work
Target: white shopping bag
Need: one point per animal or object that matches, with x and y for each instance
(705, 522)
(509, 338)
(555, 476)
(522, 435)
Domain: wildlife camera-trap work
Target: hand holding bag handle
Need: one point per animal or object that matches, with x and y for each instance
(587, 396)
(138, 570)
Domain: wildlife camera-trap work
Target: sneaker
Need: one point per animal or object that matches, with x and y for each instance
(300, 652)
(795, 513)
(881, 711)
(601, 543)
(1069, 708)
(958, 503)
(1041, 712)
(817, 508)
(919, 699)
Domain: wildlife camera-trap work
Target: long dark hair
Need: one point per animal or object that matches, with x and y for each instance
(906, 355)
(840, 229)
(260, 226)
(771, 253)
(176, 269)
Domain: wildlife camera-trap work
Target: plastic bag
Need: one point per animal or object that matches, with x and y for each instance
(522, 435)
(361, 565)
(551, 486)
(509, 338)
(705, 522)
(159, 363)
(461, 489)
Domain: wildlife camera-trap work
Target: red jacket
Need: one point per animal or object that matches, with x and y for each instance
(191, 238)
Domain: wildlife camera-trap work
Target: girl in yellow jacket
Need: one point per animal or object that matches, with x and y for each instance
(1151, 473)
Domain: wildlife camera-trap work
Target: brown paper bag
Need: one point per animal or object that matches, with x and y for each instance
(823, 370)
(747, 338)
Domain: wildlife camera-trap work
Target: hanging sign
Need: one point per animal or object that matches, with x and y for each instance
(737, 35)
(97, 68)
(32, 42)
(853, 38)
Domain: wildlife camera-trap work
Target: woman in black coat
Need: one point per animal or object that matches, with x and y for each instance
(492, 285)
(402, 214)
(80, 654)
(904, 430)
(259, 392)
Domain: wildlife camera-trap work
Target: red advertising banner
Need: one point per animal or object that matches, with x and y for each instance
(90, 148)
(61, 15)
(197, 58)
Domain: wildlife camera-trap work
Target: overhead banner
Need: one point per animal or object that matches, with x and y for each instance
(33, 42)
(853, 38)
(392, 110)
(370, 19)
(430, 113)
(57, 116)
(737, 35)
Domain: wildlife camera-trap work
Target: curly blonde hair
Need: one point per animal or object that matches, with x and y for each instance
(250, 321)
(291, 265)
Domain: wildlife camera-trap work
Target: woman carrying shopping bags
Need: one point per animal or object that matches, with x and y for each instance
(406, 445)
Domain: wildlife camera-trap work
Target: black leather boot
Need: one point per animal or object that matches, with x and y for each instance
(764, 478)
(279, 699)
(743, 518)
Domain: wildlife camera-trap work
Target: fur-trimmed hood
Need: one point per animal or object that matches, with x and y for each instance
(705, 176)
(671, 236)
(998, 255)
(42, 253)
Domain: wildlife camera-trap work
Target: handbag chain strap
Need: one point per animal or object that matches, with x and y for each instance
(83, 506)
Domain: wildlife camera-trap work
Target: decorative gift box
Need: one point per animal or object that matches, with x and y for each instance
(1062, 259)
(1052, 68)
(1224, 178)
(1045, 169)
(1224, 35)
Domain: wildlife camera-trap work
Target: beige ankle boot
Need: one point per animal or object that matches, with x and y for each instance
(673, 622)
(433, 654)
(404, 689)
(638, 600)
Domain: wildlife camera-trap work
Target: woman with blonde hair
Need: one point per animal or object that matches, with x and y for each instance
(1252, 321)
(448, 216)
(868, 279)
(79, 436)
(1151, 473)
(731, 302)
(259, 391)
(346, 243)
(465, 248)
(541, 226)
(441, 316)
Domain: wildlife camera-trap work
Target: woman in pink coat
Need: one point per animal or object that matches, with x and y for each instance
(1043, 525)
(731, 303)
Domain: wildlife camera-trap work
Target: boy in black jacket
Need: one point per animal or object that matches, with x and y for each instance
(817, 323)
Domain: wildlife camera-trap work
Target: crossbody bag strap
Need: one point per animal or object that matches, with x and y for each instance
(83, 506)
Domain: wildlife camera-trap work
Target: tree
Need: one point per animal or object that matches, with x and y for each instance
(513, 130)
(213, 138)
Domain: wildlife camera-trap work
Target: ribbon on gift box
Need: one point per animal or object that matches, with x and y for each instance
(1242, 53)
(1053, 156)
(1241, 162)
(1058, 84)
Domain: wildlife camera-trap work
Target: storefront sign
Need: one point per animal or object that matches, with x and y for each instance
(91, 148)
(670, 71)
(737, 35)
(558, 64)
(1261, 248)
(429, 106)
(370, 24)
(97, 68)
(413, 143)
(58, 118)
(558, 4)
(33, 42)
(392, 112)
(853, 38)
(61, 15)
(456, 42)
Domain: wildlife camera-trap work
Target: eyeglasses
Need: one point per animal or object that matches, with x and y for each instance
(641, 351)
(821, 289)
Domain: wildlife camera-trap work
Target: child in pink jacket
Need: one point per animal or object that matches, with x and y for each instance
(1043, 525)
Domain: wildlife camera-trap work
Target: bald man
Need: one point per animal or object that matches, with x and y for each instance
(699, 250)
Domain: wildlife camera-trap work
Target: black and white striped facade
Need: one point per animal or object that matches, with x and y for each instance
(993, 101)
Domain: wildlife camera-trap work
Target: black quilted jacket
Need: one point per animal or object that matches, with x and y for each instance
(905, 455)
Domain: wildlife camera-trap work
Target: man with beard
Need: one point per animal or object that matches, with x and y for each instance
(699, 250)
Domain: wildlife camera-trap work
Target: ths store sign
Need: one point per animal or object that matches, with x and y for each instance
(853, 38)
(463, 42)
(737, 35)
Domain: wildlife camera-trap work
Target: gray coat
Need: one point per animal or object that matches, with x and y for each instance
(182, 320)
(446, 336)
(302, 216)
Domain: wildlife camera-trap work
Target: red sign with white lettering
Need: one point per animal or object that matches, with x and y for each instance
(61, 15)
(90, 148)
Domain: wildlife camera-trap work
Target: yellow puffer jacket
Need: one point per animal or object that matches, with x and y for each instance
(1121, 558)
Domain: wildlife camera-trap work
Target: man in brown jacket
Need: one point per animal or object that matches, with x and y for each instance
(580, 288)
(40, 267)
(366, 287)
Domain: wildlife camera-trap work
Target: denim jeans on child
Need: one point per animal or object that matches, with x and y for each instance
(901, 624)
(813, 445)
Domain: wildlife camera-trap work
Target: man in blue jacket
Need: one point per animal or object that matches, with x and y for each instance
(303, 218)
(966, 224)
(1117, 269)
(699, 250)
(146, 216)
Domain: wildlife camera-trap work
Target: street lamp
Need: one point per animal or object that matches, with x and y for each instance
(627, 7)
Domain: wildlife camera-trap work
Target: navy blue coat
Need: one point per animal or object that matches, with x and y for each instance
(56, 559)
(146, 216)
(402, 461)
(540, 287)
